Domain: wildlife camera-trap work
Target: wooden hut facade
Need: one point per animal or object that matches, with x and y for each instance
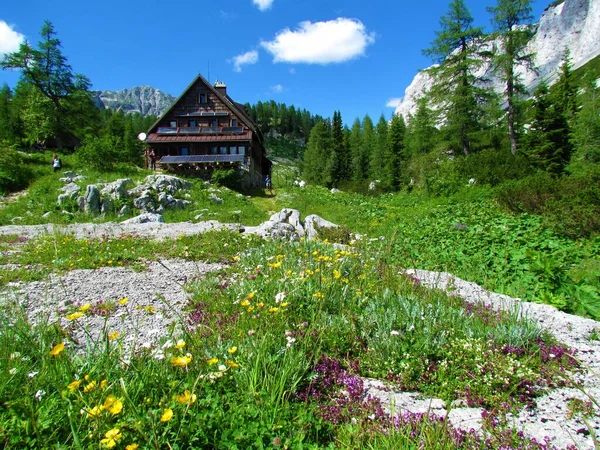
(206, 130)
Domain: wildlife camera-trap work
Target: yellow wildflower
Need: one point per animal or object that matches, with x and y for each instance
(260, 304)
(74, 385)
(212, 361)
(274, 309)
(113, 336)
(113, 405)
(232, 364)
(180, 343)
(74, 316)
(284, 304)
(236, 258)
(124, 301)
(181, 361)
(57, 349)
(186, 397)
(166, 415)
(132, 447)
(95, 411)
(85, 307)
(244, 303)
(111, 438)
(232, 350)
(103, 384)
(318, 295)
(336, 274)
(275, 265)
(90, 386)
(251, 295)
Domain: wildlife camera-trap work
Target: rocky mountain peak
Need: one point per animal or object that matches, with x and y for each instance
(145, 100)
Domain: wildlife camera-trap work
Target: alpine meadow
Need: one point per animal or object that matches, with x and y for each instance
(192, 272)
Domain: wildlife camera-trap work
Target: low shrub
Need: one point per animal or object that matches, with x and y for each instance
(13, 173)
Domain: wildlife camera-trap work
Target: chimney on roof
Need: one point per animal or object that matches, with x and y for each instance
(221, 87)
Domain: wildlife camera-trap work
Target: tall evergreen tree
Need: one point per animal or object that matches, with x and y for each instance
(457, 49)
(317, 154)
(9, 119)
(508, 16)
(421, 130)
(367, 146)
(564, 91)
(395, 156)
(379, 149)
(338, 168)
(355, 148)
(586, 127)
(547, 142)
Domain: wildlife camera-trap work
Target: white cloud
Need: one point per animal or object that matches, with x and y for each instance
(328, 42)
(250, 57)
(393, 102)
(277, 89)
(9, 39)
(263, 5)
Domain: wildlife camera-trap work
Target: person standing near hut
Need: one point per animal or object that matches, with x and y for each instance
(56, 163)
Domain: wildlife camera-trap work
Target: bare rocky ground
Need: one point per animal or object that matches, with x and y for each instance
(157, 299)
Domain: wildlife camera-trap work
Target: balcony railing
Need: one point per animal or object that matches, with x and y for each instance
(201, 130)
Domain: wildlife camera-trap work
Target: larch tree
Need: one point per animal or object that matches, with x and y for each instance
(379, 149)
(458, 51)
(510, 19)
(59, 95)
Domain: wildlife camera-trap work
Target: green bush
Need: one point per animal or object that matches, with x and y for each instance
(493, 167)
(226, 177)
(527, 195)
(569, 205)
(99, 152)
(13, 173)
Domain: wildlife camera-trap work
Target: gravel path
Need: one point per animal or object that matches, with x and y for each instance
(161, 288)
(155, 305)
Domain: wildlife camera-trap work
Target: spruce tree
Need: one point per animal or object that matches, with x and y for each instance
(564, 91)
(395, 156)
(586, 127)
(547, 141)
(421, 131)
(339, 167)
(457, 49)
(379, 150)
(367, 146)
(317, 154)
(508, 18)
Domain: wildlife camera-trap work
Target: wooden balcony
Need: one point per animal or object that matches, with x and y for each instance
(200, 130)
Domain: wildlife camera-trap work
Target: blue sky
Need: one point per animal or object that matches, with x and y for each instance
(322, 55)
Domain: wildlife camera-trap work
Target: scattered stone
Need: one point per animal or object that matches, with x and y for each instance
(145, 218)
(117, 190)
(46, 215)
(312, 223)
(213, 198)
(335, 191)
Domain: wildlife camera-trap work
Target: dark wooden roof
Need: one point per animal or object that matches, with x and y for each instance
(154, 138)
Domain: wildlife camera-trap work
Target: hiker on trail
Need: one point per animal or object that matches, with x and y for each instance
(268, 183)
(56, 163)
